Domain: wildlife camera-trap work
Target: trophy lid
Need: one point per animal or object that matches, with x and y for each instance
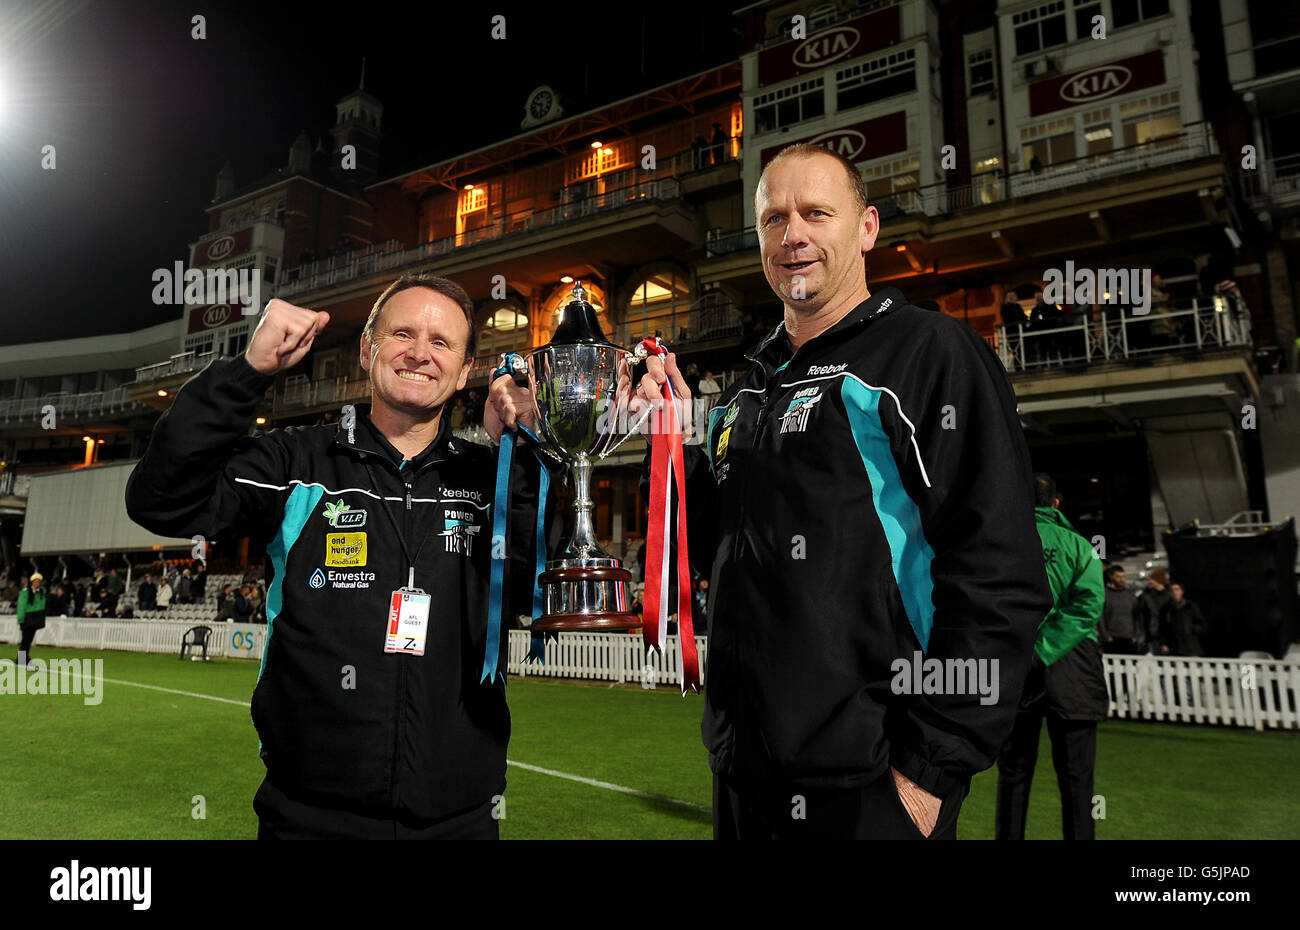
(578, 322)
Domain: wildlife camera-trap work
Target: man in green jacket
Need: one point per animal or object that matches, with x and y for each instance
(1066, 682)
(31, 613)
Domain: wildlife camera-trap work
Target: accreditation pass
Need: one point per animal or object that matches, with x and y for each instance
(408, 621)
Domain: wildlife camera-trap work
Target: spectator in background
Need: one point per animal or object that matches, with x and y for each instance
(226, 605)
(1066, 682)
(1181, 625)
(114, 584)
(185, 588)
(693, 378)
(1164, 328)
(79, 600)
(98, 586)
(1013, 315)
(709, 389)
(243, 606)
(257, 605)
(1121, 630)
(718, 145)
(147, 594)
(31, 614)
(1150, 603)
(58, 602)
(458, 414)
(698, 159)
(474, 410)
(164, 599)
(200, 582)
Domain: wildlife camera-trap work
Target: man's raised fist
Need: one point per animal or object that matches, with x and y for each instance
(283, 336)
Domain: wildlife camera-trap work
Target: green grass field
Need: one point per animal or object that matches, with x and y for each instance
(130, 767)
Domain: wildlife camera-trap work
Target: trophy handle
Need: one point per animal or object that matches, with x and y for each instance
(634, 357)
(515, 366)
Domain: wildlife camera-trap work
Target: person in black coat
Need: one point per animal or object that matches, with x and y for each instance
(147, 595)
(1181, 625)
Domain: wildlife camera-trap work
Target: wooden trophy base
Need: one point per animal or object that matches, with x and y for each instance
(580, 598)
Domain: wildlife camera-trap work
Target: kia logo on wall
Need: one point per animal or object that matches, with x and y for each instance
(1096, 83)
(220, 248)
(846, 142)
(826, 47)
(216, 315)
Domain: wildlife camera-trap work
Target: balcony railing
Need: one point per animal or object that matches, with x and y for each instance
(179, 364)
(75, 407)
(1196, 141)
(1276, 179)
(353, 265)
(303, 394)
(1190, 326)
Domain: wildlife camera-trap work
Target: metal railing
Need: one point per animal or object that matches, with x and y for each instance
(77, 407)
(305, 393)
(353, 265)
(1275, 179)
(1196, 141)
(180, 364)
(1203, 322)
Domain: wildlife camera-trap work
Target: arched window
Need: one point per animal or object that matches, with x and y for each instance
(660, 304)
(504, 330)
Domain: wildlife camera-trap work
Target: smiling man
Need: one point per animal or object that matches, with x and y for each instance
(372, 718)
(862, 507)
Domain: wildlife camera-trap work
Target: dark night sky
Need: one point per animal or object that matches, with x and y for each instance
(142, 116)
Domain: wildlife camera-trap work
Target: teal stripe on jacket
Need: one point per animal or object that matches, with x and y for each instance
(900, 518)
(297, 511)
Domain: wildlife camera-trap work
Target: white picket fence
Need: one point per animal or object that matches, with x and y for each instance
(1256, 693)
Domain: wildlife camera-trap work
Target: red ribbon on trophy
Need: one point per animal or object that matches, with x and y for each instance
(666, 463)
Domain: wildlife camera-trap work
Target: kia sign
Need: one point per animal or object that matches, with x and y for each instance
(825, 47)
(1099, 83)
(847, 142)
(1096, 84)
(835, 43)
(214, 315)
(222, 248)
(858, 142)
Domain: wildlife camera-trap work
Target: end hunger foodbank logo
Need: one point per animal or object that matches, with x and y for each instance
(345, 549)
(460, 532)
(795, 418)
(341, 516)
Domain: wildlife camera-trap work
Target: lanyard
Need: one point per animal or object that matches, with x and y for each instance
(383, 503)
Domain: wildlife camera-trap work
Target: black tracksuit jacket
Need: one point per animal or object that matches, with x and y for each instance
(861, 500)
(340, 721)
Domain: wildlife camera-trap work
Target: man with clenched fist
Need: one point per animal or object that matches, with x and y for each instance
(369, 705)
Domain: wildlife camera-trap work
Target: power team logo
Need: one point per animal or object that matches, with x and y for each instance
(341, 516)
(795, 418)
(346, 550)
(459, 532)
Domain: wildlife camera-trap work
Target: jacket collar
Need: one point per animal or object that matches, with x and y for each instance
(776, 345)
(1052, 515)
(364, 438)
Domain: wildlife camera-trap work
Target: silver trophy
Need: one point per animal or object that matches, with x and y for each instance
(575, 380)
